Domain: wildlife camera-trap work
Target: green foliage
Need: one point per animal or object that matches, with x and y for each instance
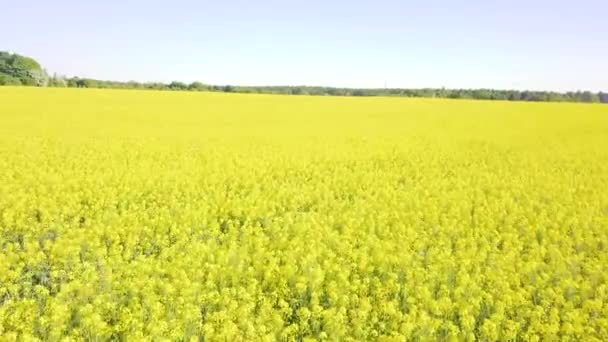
(24, 69)
(197, 86)
(9, 80)
(25, 63)
(175, 85)
(28, 72)
(57, 81)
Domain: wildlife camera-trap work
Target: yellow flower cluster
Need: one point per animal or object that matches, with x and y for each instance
(141, 215)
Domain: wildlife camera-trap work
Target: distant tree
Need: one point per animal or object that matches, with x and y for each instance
(73, 82)
(526, 96)
(90, 83)
(134, 85)
(514, 96)
(482, 94)
(228, 89)
(25, 69)
(587, 96)
(175, 85)
(442, 92)
(335, 91)
(296, 91)
(83, 83)
(603, 97)
(197, 86)
(57, 81)
(155, 86)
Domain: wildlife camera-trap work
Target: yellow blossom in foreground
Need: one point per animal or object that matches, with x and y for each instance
(142, 215)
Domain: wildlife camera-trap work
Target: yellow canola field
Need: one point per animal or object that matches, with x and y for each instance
(140, 215)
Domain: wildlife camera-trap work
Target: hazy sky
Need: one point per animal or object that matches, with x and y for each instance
(532, 44)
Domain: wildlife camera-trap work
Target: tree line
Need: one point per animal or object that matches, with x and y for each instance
(20, 70)
(480, 94)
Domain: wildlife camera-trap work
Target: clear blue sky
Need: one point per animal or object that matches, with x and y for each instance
(532, 44)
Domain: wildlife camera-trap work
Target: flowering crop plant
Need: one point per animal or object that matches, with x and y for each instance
(134, 215)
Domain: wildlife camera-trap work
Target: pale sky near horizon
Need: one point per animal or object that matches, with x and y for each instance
(537, 45)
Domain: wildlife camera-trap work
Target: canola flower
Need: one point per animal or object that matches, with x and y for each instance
(141, 215)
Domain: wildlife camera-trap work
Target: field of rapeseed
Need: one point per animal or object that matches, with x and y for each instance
(134, 215)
